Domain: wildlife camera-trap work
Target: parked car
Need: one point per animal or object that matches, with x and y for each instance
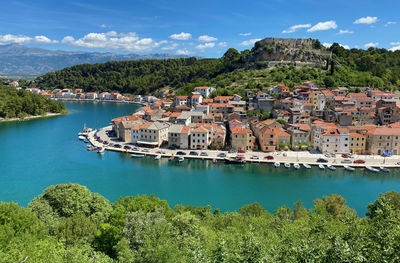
(345, 155)
(180, 153)
(160, 152)
(222, 155)
(203, 154)
(105, 142)
(254, 157)
(359, 161)
(330, 155)
(127, 147)
(193, 153)
(322, 160)
(269, 157)
(145, 150)
(117, 146)
(241, 151)
(172, 147)
(231, 150)
(346, 161)
(136, 148)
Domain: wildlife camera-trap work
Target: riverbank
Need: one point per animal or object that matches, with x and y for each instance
(98, 100)
(47, 115)
(252, 156)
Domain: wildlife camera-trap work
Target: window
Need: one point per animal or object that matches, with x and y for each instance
(351, 144)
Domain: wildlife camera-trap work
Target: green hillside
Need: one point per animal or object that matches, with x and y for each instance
(269, 62)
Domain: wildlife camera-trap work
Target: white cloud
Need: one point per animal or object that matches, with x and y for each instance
(328, 45)
(245, 34)
(366, 20)
(250, 42)
(172, 46)
(222, 44)
(181, 36)
(371, 44)
(323, 26)
(294, 28)
(394, 43)
(206, 38)
(395, 48)
(390, 23)
(341, 32)
(22, 39)
(206, 45)
(103, 26)
(114, 41)
(182, 52)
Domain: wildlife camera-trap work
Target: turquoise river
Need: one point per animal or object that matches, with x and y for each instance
(37, 153)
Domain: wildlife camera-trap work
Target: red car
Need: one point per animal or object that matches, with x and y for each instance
(359, 161)
(345, 155)
(269, 157)
(241, 151)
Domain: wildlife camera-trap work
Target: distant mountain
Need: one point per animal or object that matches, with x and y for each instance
(18, 59)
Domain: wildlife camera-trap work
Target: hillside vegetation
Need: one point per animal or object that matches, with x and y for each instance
(20, 103)
(257, 68)
(68, 223)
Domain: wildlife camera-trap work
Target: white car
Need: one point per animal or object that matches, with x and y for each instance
(254, 157)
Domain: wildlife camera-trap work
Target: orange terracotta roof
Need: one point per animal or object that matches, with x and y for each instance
(328, 93)
(202, 87)
(185, 129)
(239, 130)
(181, 97)
(384, 131)
(354, 134)
(200, 129)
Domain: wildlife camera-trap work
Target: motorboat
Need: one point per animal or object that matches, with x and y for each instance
(137, 155)
(171, 158)
(277, 165)
(158, 157)
(371, 169)
(321, 166)
(331, 167)
(101, 150)
(91, 148)
(287, 165)
(86, 141)
(181, 159)
(383, 169)
(235, 160)
(214, 160)
(81, 137)
(348, 168)
(307, 166)
(296, 166)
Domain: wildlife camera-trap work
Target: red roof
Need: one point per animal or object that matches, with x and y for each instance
(202, 87)
(239, 130)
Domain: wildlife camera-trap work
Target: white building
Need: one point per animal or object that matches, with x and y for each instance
(204, 91)
(105, 96)
(200, 138)
(180, 100)
(150, 134)
(335, 140)
(178, 136)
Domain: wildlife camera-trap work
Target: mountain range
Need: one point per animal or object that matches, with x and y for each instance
(18, 59)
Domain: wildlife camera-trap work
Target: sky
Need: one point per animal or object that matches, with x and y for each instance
(201, 28)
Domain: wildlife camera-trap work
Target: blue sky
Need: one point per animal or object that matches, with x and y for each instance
(204, 28)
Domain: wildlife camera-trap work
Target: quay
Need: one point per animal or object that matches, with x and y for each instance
(301, 157)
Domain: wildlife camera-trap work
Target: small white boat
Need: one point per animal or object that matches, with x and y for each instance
(181, 159)
(137, 155)
(307, 166)
(158, 157)
(101, 150)
(331, 167)
(276, 164)
(81, 134)
(296, 166)
(321, 166)
(383, 169)
(81, 137)
(348, 168)
(287, 165)
(371, 169)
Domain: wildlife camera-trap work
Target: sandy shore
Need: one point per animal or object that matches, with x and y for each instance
(49, 114)
(301, 157)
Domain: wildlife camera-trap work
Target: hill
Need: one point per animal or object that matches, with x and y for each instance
(16, 59)
(269, 62)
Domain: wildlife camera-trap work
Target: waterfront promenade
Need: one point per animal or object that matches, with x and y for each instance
(301, 157)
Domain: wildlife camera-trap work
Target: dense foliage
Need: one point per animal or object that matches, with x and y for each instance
(233, 73)
(20, 103)
(68, 223)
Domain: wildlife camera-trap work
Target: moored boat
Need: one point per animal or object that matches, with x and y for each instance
(181, 159)
(307, 166)
(321, 166)
(158, 157)
(91, 148)
(101, 150)
(348, 168)
(287, 165)
(371, 169)
(234, 160)
(171, 158)
(384, 169)
(137, 155)
(296, 166)
(214, 160)
(331, 167)
(81, 137)
(276, 164)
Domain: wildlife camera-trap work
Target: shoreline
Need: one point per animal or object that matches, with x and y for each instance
(98, 100)
(291, 156)
(47, 115)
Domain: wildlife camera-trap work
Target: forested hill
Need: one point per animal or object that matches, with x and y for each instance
(68, 223)
(250, 69)
(20, 104)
